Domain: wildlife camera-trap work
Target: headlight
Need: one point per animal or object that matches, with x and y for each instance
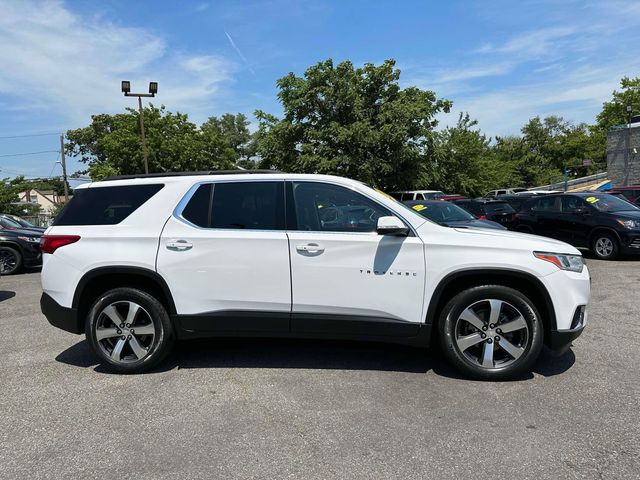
(628, 223)
(30, 239)
(572, 263)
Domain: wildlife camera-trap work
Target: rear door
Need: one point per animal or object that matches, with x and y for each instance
(345, 277)
(545, 213)
(225, 256)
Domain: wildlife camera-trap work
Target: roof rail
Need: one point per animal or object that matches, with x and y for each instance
(187, 174)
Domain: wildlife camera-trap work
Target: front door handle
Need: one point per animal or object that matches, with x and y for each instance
(179, 245)
(310, 248)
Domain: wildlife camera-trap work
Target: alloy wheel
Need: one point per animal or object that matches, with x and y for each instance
(125, 332)
(604, 246)
(492, 333)
(8, 261)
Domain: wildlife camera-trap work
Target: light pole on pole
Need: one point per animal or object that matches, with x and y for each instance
(153, 89)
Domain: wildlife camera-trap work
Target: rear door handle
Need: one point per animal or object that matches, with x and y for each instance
(179, 245)
(310, 248)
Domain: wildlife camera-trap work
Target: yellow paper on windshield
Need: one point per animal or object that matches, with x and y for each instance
(592, 199)
(419, 208)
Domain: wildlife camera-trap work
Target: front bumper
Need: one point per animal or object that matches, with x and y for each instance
(630, 242)
(560, 341)
(61, 317)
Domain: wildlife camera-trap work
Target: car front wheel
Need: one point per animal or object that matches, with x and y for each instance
(605, 246)
(129, 330)
(491, 332)
(10, 260)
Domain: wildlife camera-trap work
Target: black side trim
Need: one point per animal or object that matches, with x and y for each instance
(352, 325)
(236, 321)
(119, 270)
(59, 316)
(302, 325)
(435, 298)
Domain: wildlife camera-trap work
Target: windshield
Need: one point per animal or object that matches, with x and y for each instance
(609, 203)
(23, 222)
(442, 212)
(8, 223)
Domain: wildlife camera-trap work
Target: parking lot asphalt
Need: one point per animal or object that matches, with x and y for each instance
(310, 409)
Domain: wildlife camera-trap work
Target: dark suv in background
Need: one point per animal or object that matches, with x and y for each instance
(497, 211)
(19, 248)
(603, 223)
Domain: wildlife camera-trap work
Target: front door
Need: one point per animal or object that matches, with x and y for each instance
(345, 277)
(225, 257)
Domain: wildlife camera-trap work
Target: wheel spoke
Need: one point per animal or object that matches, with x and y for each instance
(496, 307)
(511, 349)
(117, 350)
(102, 333)
(469, 316)
(145, 329)
(516, 324)
(487, 355)
(468, 341)
(138, 349)
(133, 311)
(113, 315)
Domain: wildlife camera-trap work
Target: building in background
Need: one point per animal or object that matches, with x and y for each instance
(623, 153)
(47, 199)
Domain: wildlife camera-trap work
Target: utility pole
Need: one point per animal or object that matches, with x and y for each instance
(627, 150)
(64, 169)
(144, 139)
(153, 89)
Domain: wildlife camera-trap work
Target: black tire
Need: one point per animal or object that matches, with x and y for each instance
(605, 246)
(10, 260)
(159, 345)
(529, 340)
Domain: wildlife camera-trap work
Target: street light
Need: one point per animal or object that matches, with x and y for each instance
(153, 89)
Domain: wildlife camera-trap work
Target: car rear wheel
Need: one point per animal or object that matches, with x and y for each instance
(491, 332)
(129, 330)
(605, 246)
(10, 260)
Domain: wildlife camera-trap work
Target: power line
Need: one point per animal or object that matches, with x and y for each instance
(30, 135)
(28, 153)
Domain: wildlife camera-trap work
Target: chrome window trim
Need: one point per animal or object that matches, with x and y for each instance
(177, 211)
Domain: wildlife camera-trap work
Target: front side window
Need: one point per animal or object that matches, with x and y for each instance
(571, 204)
(321, 207)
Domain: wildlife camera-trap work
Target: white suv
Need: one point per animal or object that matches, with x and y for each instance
(136, 263)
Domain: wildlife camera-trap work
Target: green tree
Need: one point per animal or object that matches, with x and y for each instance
(464, 159)
(174, 143)
(234, 131)
(614, 112)
(355, 122)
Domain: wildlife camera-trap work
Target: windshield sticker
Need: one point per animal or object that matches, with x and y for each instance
(419, 208)
(592, 199)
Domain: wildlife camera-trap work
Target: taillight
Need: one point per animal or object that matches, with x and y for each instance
(50, 243)
(482, 217)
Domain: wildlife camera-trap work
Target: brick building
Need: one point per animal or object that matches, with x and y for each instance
(623, 154)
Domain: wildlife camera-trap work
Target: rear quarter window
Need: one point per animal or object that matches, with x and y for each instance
(501, 207)
(105, 205)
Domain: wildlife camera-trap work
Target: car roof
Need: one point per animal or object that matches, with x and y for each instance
(217, 176)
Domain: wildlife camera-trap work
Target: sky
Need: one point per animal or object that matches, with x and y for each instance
(502, 61)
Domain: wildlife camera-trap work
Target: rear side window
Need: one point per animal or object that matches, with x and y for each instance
(498, 207)
(105, 205)
(250, 205)
(237, 205)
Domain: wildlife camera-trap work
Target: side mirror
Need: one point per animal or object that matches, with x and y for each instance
(391, 226)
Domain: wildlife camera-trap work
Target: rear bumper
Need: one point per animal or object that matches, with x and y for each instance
(61, 317)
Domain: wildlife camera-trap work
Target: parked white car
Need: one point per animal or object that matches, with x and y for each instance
(135, 263)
